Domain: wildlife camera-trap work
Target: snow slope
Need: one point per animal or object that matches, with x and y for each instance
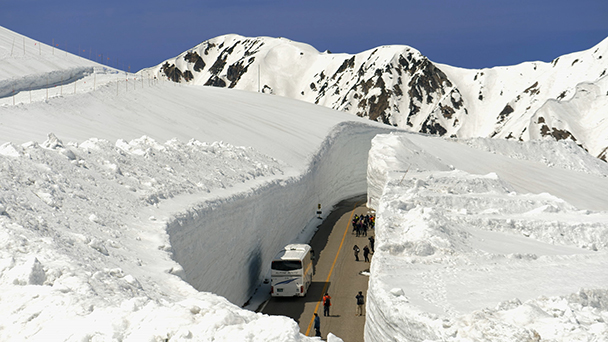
(512, 102)
(31, 66)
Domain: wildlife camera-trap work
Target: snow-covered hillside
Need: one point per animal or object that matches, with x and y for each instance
(33, 67)
(152, 211)
(399, 86)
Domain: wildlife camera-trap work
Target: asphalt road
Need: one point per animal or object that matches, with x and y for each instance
(337, 273)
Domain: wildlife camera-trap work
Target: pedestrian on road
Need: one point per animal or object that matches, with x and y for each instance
(317, 325)
(356, 249)
(371, 242)
(326, 304)
(366, 253)
(360, 303)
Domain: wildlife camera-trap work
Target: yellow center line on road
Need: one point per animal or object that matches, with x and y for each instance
(332, 268)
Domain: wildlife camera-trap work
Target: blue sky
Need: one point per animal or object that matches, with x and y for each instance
(465, 33)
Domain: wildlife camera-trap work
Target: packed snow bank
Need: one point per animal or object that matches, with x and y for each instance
(13, 86)
(78, 263)
(471, 257)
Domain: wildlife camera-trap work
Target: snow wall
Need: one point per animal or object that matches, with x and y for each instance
(391, 156)
(262, 220)
(383, 160)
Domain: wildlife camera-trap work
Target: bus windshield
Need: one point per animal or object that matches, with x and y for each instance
(286, 265)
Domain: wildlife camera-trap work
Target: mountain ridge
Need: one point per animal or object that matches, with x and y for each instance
(399, 86)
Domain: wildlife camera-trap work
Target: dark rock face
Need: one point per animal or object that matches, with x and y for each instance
(218, 65)
(188, 76)
(348, 64)
(557, 134)
(193, 57)
(219, 74)
(237, 70)
(533, 90)
(456, 99)
(428, 80)
(209, 46)
(432, 127)
(215, 81)
(378, 106)
(446, 111)
(172, 72)
(175, 74)
(505, 113)
(427, 88)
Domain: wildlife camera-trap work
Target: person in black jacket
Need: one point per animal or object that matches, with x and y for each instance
(366, 253)
(317, 325)
(360, 302)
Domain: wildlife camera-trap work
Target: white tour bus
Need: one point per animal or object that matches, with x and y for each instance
(291, 271)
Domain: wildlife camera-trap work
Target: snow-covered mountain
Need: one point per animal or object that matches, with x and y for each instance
(399, 86)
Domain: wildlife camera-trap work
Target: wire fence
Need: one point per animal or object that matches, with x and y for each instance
(101, 79)
(113, 75)
(23, 46)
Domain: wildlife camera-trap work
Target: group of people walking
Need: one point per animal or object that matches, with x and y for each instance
(366, 251)
(361, 225)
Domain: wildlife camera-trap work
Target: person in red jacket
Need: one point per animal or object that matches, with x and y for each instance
(326, 304)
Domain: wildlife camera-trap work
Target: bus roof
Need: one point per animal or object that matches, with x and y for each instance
(293, 252)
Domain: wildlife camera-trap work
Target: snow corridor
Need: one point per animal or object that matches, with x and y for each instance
(261, 220)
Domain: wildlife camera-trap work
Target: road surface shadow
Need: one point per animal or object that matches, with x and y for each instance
(319, 240)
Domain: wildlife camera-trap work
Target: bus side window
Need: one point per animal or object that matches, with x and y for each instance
(312, 254)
